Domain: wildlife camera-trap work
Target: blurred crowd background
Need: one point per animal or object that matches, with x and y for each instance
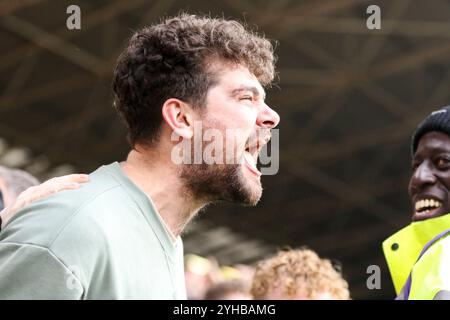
(349, 99)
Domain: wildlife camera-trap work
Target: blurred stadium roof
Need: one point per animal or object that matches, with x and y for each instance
(348, 97)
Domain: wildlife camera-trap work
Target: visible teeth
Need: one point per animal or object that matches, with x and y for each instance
(428, 204)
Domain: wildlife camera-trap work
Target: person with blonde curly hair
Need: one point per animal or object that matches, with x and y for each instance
(298, 275)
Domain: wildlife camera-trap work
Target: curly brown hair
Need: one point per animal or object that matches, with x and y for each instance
(297, 271)
(171, 59)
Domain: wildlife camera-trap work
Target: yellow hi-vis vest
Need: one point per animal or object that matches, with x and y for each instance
(431, 273)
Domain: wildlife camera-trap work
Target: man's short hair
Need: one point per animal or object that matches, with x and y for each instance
(16, 181)
(172, 59)
(297, 271)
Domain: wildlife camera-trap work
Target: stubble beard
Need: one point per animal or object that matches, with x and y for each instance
(219, 182)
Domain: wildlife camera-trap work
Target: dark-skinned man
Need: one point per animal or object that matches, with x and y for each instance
(418, 256)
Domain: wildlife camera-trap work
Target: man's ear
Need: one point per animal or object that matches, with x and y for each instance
(179, 116)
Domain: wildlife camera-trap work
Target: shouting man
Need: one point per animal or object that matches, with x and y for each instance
(118, 236)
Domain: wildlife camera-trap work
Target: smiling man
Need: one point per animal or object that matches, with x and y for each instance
(419, 255)
(118, 236)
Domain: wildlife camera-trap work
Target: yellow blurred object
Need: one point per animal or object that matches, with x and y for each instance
(229, 273)
(202, 266)
(197, 264)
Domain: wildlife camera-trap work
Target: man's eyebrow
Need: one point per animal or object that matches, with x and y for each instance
(253, 89)
(436, 150)
(441, 148)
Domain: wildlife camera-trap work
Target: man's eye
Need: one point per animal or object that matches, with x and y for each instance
(247, 98)
(443, 163)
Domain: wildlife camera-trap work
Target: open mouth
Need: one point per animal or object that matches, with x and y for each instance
(426, 208)
(253, 147)
(251, 158)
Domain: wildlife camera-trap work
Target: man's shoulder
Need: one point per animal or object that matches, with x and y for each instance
(442, 245)
(442, 248)
(437, 257)
(43, 221)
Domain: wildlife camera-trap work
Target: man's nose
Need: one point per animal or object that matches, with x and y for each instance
(267, 118)
(423, 175)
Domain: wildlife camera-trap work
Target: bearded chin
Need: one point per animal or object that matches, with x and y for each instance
(214, 183)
